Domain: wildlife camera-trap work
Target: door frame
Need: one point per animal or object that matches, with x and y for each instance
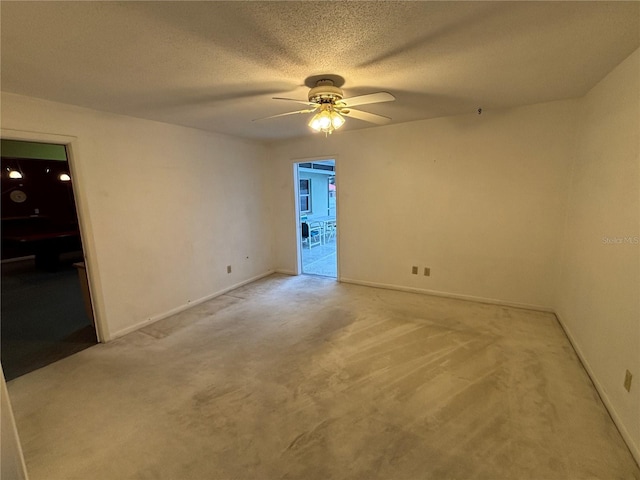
(296, 210)
(86, 231)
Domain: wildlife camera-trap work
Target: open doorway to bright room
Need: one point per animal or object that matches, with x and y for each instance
(317, 196)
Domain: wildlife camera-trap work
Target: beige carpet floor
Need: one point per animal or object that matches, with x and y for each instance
(307, 378)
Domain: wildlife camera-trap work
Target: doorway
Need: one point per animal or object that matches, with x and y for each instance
(316, 207)
(46, 308)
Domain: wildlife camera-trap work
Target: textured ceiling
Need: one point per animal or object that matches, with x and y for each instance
(216, 65)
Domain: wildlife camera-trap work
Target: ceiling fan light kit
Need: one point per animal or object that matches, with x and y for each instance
(327, 103)
(327, 120)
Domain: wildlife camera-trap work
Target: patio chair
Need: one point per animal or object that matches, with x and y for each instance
(311, 234)
(330, 228)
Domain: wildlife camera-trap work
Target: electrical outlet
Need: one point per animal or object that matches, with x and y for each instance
(627, 381)
(228, 268)
(427, 272)
(414, 270)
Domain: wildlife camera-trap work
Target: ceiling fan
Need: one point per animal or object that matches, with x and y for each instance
(326, 100)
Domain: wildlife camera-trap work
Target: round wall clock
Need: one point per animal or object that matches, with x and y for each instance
(18, 196)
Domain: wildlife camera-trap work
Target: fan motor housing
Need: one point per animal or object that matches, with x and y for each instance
(325, 92)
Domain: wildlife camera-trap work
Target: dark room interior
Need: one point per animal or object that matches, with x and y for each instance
(46, 311)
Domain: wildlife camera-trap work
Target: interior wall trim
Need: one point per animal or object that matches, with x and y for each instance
(84, 219)
(186, 306)
(633, 448)
(437, 293)
(284, 271)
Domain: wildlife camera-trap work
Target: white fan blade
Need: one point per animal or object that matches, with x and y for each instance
(310, 110)
(366, 116)
(294, 100)
(369, 98)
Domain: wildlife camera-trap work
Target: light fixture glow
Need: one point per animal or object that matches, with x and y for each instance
(337, 120)
(327, 120)
(64, 177)
(14, 174)
(324, 120)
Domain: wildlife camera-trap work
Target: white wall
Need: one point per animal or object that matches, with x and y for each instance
(598, 297)
(166, 208)
(478, 199)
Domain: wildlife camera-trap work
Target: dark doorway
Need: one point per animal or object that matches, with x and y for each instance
(45, 305)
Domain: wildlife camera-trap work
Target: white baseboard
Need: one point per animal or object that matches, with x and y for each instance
(633, 448)
(470, 298)
(285, 272)
(184, 307)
